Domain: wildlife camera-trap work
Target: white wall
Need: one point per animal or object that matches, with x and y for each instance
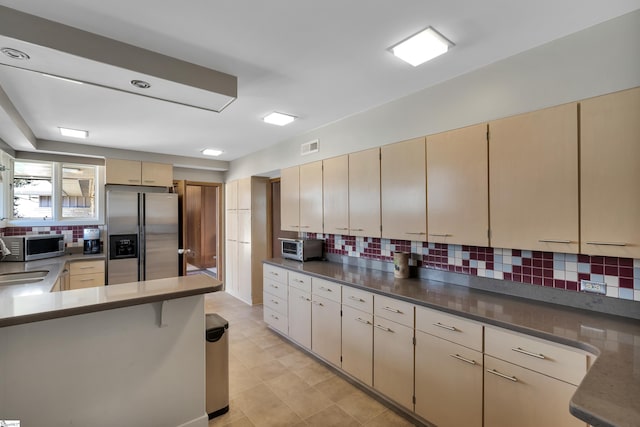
(200, 175)
(595, 61)
(109, 368)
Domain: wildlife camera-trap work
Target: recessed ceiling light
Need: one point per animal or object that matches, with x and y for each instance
(211, 152)
(64, 79)
(14, 53)
(140, 84)
(279, 119)
(421, 47)
(74, 133)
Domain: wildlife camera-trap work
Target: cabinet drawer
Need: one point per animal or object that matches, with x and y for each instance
(275, 303)
(85, 267)
(555, 360)
(274, 288)
(393, 309)
(86, 281)
(452, 328)
(276, 320)
(324, 288)
(300, 281)
(356, 298)
(274, 273)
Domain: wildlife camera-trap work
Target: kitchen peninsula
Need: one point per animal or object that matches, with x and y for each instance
(128, 354)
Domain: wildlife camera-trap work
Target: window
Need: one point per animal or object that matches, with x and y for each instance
(54, 191)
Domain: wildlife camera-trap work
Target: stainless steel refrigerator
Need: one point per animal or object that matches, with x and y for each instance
(142, 234)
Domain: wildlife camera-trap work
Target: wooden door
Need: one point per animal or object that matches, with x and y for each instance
(403, 190)
(458, 186)
(364, 193)
(533, 180)
(335, 187)
(609, 173)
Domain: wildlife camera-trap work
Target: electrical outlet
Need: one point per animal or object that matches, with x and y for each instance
(593, 287)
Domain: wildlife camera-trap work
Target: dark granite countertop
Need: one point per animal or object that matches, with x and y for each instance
(609, 394)
(34, 302)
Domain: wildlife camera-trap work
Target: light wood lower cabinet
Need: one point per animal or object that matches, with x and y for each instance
(326, 329)
(515, 396)
(448, 382)
(275, 297)
(393, 361)
(86, 274)
(300, 316)
(357, 344)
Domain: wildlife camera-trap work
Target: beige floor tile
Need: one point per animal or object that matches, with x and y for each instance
(234, 415)
(240, 422)
(336, 388)
(287, 384)
(295, 360)
(278, 415)
(266, 341)
(388, 419)
(268, 370)
(307, 403)
(313, 373)
(361, 406)
(332, 416)
(282, 349)
(242, 380)
(256, 399)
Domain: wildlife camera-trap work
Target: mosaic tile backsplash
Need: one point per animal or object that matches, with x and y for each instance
(557, 270)
(73, 234)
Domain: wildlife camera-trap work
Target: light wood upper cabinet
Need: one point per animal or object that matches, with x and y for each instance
(157, 174)
(403, 190)
(133, 172)
(533, 180)
(364, 193)
(610, 174)
(311, 197)
(290, 199)
(335, 187)
(244, 193)
(125, 172)
(458, 187)
(231, 195)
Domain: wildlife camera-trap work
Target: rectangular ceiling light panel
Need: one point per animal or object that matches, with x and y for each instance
(421, 47)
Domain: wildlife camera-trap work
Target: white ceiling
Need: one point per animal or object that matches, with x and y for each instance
(318, 60)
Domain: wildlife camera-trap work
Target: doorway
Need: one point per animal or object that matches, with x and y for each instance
(200, 213)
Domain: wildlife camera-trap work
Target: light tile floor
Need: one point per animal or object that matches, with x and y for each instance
(273, 383)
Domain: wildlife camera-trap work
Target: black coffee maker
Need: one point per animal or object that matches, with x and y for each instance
(91, 238)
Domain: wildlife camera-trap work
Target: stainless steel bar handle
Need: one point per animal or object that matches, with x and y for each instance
(326, 289)
(298, 281)
(464, 359)
(554, 241)
(275, 317)
(507, 377)
(529, 353)
(356, 298)
(342, 228)
(305, 226)
(393, 310)
(318, 303)
(440, 234)
(450, 328)
(273, 286)
(273, 273)
(274, 301)
(607, 243)
(357, 229)
(383, 328)
(366, 322)
(418, 233)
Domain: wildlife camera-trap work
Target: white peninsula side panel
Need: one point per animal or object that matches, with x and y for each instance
(135, 366)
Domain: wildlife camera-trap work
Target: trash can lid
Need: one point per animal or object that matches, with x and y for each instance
(215, 321)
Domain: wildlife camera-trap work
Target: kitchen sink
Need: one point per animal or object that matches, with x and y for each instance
(22, 277)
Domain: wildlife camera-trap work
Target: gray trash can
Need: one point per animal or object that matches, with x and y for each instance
(217, 361)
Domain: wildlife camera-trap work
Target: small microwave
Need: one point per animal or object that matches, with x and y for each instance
(37, 246)
(301, 249)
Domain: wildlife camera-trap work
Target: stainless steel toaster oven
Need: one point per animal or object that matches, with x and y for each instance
(301, 249)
